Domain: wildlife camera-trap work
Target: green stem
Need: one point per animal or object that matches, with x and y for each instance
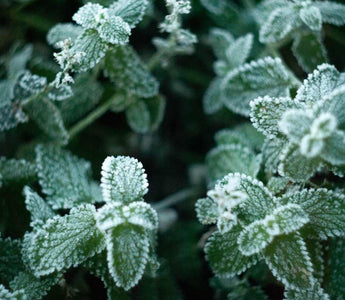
(90, 118)
(176, 198)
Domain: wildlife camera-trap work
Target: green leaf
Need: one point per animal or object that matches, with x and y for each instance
(239, 50)
(336, 265)
(213, 97)
(18, 61)
(127, 254)
(266, 113)
(257, 199)
(281, 22)
(115, 31)
(97, 265)
(90, 15)
(11, 114)
(315, 293)
(231, 158)
(39, 210)
(326, 211)
(331, 12)
(48, 118)
(220, 40)
(93, 48)
(64, 178)
(86, 94)
(63, 31)
(138, 213)
(265, 77)
(131, 11)
(288, 259)
(7, 295)
(295, 166)
(296, 123)
(311, 16)
(223, 254)
(65, 241)
(244, 134)
(271, 152)
(206, 211)
(283, 220)
(125, 68)
(319, 84)
(309, 51)
(145, 115)
(10, 259)
(33, 287)
(334, 148)
(123, 179)
(317, 254)
(17, 170)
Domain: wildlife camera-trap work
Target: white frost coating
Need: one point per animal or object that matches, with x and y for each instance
(323, 126)
(123, 179)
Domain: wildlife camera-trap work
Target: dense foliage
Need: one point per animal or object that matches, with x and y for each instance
(91, 92)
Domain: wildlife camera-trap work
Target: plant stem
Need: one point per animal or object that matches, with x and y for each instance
(90, 118)
(177, 198)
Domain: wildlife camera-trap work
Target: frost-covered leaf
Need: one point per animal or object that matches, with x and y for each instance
(316, 252)
(136, 213)
(239, 50)
(231, 159)
(257, 200)
(223, 254)
(295, 166)
(32, 83)
(97, 265)
(271, 152)
(309, 50)
(64, 178)
(281, 22)
(18, 61)
(336, 265)
(220, 40)
(311, 16)
(288, 259)
(93, 48)
(127, 254)
(65, 241)
(314, 293)
(206, 211)
(334, 148)
(326, 211)
(264, 9)
(265, 77)
(10, 259)
(86, 94)
(124, 67)
(114, 31)
(318, 84)
(48, 118)
(123, 179)
(33, 287)
(90, 15)
(284, 219)
(39, 210)
(266, 113)
(244, 134)
(11, 114)
(61, 93)
(277, 184)
(18, 170)
(212, 99)
(145, 115)
(63, 31)
(5, 294)
(331, 12)
(131, 11)
(295, 124)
